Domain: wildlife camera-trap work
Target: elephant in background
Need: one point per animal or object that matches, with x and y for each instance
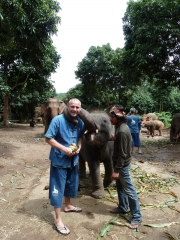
(175, 129)
(38, 115)
(96, 149)
(149, 116)
(51, 108)
(152, 126)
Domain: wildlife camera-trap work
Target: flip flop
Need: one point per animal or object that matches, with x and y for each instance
(134, 225)
(75, 209)
(62, 230)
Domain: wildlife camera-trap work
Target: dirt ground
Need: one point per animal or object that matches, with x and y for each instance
(25, 212)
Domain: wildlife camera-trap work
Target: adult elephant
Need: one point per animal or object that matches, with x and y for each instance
(149, 116)
(51, 108)
(175, 129)
(96, 149)
(37, 114)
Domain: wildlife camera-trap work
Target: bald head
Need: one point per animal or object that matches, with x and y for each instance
(74, 107)
(74, 100)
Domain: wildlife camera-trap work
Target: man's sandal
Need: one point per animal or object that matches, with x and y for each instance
(134, 225)
(75, 209)
(62, 230)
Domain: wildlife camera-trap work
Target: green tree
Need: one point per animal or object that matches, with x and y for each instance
(149, 98)
(27, 54)
(26, 102)
(142, 100)
(173, 105)
(101, 75)
(152, 36)
(76, 92)
(61, 96)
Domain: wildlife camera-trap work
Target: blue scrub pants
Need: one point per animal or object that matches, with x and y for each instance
(135, 140)
(63, 182)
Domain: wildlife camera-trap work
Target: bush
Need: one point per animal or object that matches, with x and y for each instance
(165, 117)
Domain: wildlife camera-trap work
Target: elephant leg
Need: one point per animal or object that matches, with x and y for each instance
(148, 131)
(172, 132)
(108, 173)
(82, 167)
(152, 132)
(176, 136)
(97, 184)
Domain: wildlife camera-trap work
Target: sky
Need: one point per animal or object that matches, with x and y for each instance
(85, 23)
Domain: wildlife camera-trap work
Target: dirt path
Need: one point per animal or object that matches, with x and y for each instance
(25, 212)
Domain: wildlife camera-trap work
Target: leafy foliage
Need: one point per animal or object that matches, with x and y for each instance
(146, 98)
(27, 54)
(174, 100)
(61, 96)
(26, 102)
(152, 36)
(142, 100)
(100, 74)
(165, 117)
(149, 98)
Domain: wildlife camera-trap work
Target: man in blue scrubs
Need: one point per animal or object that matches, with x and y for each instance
(134, 124)
(61, 134)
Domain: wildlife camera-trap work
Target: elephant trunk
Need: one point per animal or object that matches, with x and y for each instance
(68, 117)
(52, 112)
(88, 121)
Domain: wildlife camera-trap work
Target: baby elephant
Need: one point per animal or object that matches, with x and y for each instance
(153, 125)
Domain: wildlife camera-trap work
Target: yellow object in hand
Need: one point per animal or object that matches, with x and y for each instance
(74, 147)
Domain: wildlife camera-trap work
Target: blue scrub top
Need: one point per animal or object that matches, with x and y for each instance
(65, 133)
(134, 123)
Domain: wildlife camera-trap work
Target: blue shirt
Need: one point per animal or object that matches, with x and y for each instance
(65, 133)
(134, 123)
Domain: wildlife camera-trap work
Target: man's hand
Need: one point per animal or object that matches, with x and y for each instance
(68, 151)
(114, 176)
(72, 150)
(112, 137)
(77, 151)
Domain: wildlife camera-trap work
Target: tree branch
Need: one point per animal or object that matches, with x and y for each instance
(18, 84)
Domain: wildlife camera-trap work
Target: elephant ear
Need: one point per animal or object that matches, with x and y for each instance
(69, 118)
(61, 107)
(88, 121)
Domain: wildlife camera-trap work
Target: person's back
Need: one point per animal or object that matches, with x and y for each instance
(134, 124)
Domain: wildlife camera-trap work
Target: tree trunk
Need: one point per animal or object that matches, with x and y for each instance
(5, 111)
(160, 106)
